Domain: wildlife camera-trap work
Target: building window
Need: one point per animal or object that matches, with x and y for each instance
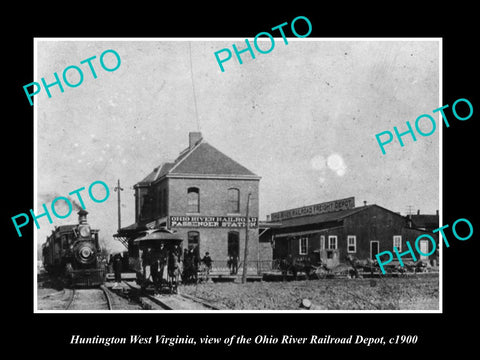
(193, 200)
(303, 246)
(351, 244)
(233, 200)
(193, 239)
(332, 242)
(322, 242)
(397, 242)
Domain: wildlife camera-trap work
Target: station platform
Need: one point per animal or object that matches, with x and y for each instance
(125, 276)
(214, 276)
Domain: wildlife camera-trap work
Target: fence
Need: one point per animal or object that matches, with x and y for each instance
(254, 267)
(221, 267)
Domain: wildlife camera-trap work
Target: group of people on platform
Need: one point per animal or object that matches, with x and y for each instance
(174, 264)
(179, 266)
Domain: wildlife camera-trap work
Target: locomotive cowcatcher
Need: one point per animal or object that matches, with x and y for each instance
(72, 253)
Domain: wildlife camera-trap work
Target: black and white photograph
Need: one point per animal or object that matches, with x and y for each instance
(225, 181)
(258, 186)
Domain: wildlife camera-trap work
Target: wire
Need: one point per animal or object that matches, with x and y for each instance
(193, 86)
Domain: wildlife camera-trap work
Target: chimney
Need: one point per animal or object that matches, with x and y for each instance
(437, 212)
(418, 212)
(194, 138)
(364, 202)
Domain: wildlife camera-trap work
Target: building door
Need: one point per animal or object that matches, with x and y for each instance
(280, 250)
(193, 240)
(233, 244)
(423, 249)
(374, 249)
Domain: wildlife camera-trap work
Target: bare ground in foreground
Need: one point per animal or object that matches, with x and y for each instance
(409, 293)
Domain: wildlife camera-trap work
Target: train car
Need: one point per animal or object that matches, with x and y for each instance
(72, 253)
(158, 269)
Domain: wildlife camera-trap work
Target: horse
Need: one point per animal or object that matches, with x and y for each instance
(364, 264)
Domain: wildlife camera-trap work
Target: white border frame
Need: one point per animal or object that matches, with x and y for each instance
(440, 103)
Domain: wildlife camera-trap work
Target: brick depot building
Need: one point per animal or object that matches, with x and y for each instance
(202, 196)
(336, 229)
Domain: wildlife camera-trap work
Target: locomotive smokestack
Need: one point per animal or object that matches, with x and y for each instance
(82, 216)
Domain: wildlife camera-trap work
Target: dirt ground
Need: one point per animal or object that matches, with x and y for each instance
(409, 293)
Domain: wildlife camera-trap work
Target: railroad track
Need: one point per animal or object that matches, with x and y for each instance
(170, 301)
(200, 301)
(90, 299)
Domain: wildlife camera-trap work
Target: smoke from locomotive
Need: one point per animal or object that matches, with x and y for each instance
(71, 251)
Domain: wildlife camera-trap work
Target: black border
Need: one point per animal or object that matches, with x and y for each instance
(436, 332)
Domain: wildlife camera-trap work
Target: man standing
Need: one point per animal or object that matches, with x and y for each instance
(194, 258)
(154, 262)
(162, 261)
(207, 260)
(117, 268)
(235, 264)
(146, 262)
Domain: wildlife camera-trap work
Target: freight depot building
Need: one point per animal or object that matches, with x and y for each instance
(337, 229)
(202, 196)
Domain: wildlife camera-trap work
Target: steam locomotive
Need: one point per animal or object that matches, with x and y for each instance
(71, 253)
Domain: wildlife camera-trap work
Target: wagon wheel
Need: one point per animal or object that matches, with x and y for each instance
(321, 273)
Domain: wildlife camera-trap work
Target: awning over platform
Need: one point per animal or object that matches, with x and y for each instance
(159, 235)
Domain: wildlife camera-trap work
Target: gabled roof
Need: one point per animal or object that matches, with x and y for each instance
(323, 218)
(333, 216)
(156, 174)
(203, 159)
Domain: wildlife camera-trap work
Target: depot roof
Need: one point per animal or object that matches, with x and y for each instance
(202, 160)
(328, 217)
(325, 217)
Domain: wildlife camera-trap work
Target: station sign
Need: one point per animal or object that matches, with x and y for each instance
(330, 206)
(212, 221)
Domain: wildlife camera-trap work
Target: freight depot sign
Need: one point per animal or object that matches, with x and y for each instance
(321, 208)
(212, 221)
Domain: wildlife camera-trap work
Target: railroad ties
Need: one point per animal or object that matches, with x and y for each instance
(89, 299)
(125, 296)
(169, 301)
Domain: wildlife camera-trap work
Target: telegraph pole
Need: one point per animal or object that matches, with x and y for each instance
(245, 257)
(409, 209)
(118, 189)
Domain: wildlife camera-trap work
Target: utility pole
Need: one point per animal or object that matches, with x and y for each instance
(245, 257)
(118, 189)
(409, 209)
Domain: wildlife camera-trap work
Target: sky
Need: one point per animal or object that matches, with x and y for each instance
(303, 117)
